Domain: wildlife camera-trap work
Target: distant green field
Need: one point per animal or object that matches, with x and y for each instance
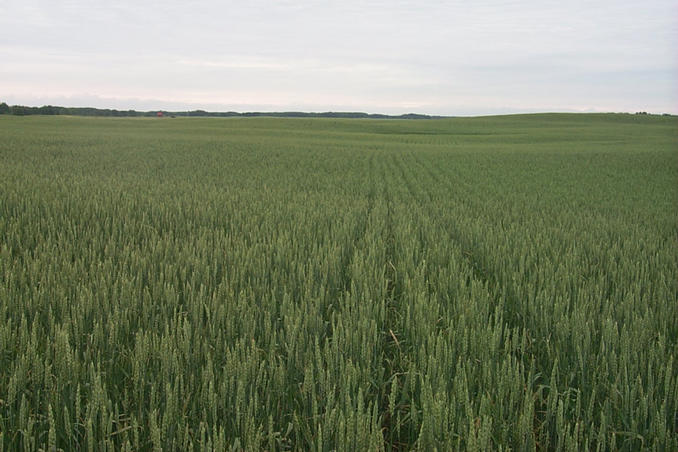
(497, 283)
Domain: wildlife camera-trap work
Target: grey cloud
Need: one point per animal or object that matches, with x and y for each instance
(437, 56)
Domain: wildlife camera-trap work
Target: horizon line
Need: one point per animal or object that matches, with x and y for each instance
(235, 113)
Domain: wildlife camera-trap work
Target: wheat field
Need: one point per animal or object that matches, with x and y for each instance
(497, 283)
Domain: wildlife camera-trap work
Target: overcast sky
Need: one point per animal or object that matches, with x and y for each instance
(437, 57)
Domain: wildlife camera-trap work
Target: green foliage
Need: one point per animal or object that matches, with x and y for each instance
(317, 284)
(20, 110)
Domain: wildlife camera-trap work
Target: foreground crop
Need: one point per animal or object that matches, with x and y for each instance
(339, 285)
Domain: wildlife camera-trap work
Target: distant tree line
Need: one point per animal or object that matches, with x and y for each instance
(21, 110)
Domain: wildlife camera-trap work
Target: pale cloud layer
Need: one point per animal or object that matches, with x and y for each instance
(481, 57)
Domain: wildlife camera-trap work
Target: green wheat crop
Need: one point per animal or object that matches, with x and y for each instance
(506, 283)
